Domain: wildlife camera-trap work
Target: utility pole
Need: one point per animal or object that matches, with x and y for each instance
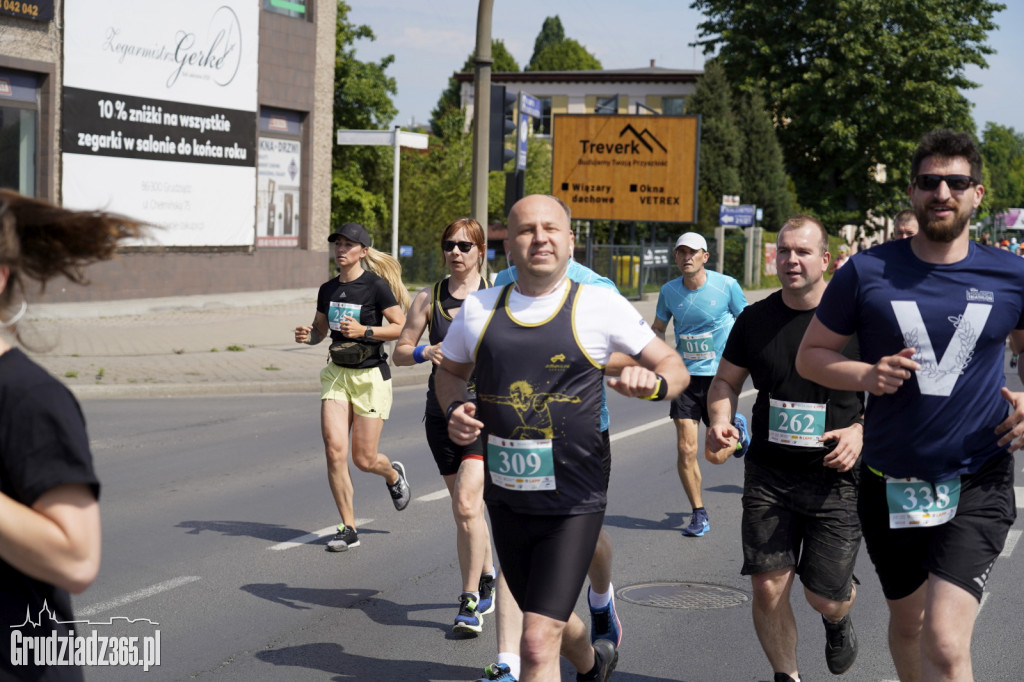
(482, 114)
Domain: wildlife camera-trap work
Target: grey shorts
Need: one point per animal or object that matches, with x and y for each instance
(802, 519)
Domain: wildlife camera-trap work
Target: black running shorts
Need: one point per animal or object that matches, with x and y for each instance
(693, 402)
(807, 520)
(960, 551)
(544, 558)
(447, 454)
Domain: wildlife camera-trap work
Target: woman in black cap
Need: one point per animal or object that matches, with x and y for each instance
(462, 467)
(49, 493)
(360, 309)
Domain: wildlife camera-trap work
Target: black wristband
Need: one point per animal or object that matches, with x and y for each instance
(660, 389)
(859, 420)
(451, 408)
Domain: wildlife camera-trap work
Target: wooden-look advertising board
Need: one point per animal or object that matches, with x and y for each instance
(626, 167)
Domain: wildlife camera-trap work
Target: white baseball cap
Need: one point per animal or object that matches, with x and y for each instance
(693, 240)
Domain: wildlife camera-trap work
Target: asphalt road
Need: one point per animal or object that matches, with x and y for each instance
(209, 502)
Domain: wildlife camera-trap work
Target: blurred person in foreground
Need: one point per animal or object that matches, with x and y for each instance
(49, 492)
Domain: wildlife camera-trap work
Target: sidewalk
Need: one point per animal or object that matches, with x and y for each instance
(193, 345)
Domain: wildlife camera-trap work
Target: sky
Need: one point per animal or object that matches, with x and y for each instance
(431, 40)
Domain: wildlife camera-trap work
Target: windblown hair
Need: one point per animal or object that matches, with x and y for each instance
(389, 269)
(947, 144)
(40, 241)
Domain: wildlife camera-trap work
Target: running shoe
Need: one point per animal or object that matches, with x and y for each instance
(783, 677)
(740, 422)
(699, 524)
(400, 493)
(469, 621)
(840, 645)
(606, 657)
(486, 590)
(344, 539)
(604, 622)
(497, 672)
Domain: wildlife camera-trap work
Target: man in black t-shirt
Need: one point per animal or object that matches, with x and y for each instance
(802, 468)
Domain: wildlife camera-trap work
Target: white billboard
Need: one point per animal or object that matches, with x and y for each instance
(159, 115)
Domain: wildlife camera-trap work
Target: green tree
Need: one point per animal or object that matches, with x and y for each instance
(762, 174)
(1002, 150)
(551, 33)
(567, 55)
(360, 182)
(852, 85)
(451, 98)
(721, 144)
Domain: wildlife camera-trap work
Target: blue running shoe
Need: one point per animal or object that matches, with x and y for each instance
(486, 603)
(740, 422)
(497, 672)
(699, 524)
(468, 621)
(604, 622)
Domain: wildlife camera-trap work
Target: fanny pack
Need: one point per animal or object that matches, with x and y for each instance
(352, 353)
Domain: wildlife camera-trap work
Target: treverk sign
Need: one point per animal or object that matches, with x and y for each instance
(627, 167)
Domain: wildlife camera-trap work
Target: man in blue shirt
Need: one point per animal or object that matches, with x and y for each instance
(703, 304)
(936, 497)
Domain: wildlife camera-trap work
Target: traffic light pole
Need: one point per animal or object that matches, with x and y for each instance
(481, 114)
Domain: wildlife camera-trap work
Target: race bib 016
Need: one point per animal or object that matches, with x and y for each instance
(696, 346)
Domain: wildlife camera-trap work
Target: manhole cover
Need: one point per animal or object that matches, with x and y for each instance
(683, 595)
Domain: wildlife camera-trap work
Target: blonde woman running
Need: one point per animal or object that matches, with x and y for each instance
(359, 310)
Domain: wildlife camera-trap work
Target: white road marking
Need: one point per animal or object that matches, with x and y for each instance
(1018, 492)
(314, 536)
(436, 495)
(1011, 542)
(660, 422)
(135, 596)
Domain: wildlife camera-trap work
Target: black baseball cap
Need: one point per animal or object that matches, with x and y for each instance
(353, 232)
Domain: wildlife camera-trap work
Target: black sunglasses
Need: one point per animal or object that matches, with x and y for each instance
(958, 183)
(464, 247)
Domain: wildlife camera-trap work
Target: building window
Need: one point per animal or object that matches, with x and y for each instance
(672, 106)
(607, 104)
(19, 131)
(542, 125)
(300, 9)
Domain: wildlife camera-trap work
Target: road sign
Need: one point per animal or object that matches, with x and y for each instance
(626, 167)
(730, 200)
(659, 255)
(529, 105)
(521, 137)
(736, 216)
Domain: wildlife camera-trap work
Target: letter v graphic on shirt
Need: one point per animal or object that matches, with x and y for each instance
(938, 377)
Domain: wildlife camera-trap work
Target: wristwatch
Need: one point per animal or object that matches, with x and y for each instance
(368, 334)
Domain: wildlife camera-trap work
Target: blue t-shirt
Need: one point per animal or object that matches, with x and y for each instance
(583, 275)
(702, 318)
(941, 422)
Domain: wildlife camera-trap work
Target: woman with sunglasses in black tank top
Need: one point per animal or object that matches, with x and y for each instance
(462, 467)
